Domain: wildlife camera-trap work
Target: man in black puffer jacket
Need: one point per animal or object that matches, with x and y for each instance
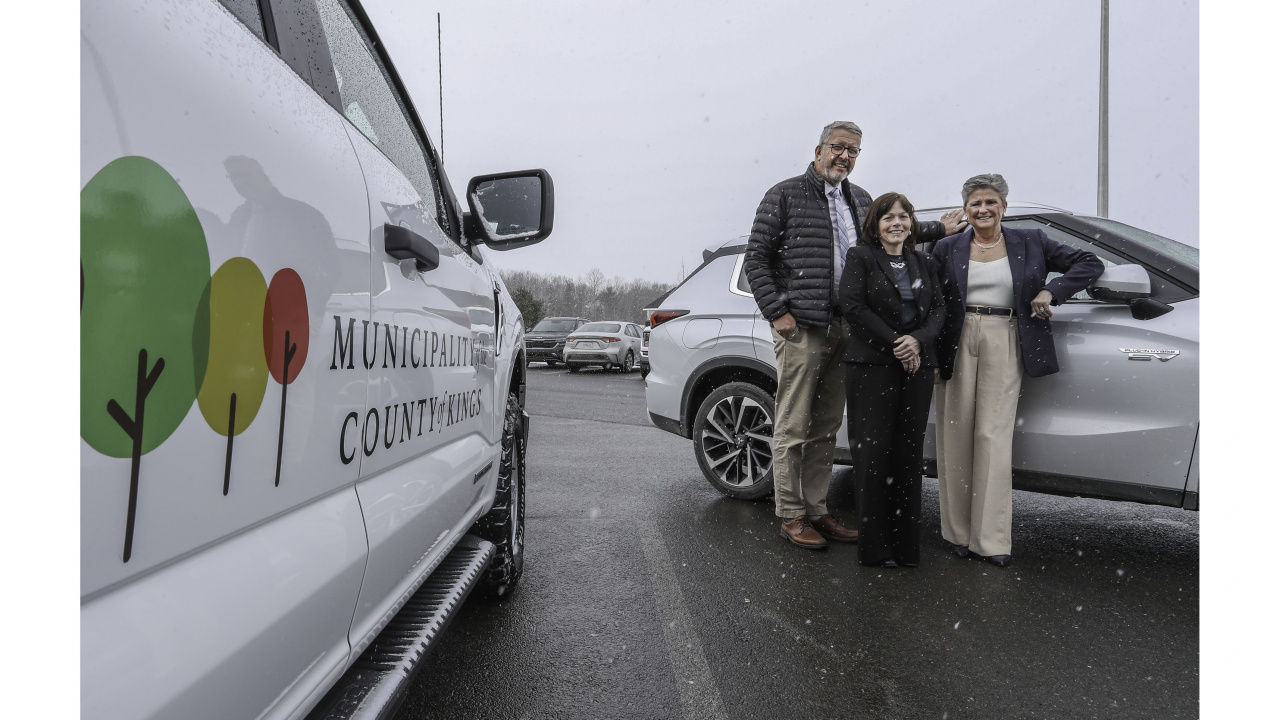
(795, 255)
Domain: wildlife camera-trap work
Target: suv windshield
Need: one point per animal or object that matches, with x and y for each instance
(554, 325)
(1172, 248)
(600, 327)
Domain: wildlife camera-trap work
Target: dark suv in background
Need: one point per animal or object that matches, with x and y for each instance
(545, 342)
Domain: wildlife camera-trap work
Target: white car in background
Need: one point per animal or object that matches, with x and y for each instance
(608, 343)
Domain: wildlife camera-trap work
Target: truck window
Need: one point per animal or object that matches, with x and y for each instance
(369, 100)
(247, 12)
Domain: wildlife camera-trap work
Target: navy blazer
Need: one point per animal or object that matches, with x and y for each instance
(1032, 256)
(872, 304)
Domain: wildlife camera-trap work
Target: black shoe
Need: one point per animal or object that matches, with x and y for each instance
(960, 550)
(1000, 560)
(889, 564)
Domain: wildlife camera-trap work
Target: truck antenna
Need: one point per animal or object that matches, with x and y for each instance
(440, 70)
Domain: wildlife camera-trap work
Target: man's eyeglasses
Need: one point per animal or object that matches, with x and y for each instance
(838, 150)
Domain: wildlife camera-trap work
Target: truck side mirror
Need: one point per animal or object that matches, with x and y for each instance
(510, 210)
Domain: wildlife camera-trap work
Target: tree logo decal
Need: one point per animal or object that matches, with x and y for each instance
(144, 326)
(284, 338)
(237, 376)
(158, 332)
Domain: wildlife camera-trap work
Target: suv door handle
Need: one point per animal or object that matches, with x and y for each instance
(404, 244)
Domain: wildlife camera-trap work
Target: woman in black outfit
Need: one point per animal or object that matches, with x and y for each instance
(890, 298)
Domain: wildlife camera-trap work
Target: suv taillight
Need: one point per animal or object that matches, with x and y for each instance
(661, 316)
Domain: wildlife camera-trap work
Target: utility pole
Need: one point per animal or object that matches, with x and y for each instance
(1104, 163)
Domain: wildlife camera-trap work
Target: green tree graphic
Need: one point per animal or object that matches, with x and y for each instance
(144, 326)
(285, 335)
(237, 377)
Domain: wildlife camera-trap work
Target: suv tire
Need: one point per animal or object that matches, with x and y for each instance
(733, 440)
(573, 367)
(503, 525)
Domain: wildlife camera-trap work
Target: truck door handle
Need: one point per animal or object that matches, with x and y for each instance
(404, 244)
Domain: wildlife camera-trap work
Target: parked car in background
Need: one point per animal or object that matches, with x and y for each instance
(1119, 421)
(609, 344)
(545, 342)
(644, 351)
(302, 378)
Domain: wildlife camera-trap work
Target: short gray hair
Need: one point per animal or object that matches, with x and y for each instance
(993, 181)
(838, 125)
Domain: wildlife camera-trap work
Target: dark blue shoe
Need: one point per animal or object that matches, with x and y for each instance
(1000, 560)
(960, 550)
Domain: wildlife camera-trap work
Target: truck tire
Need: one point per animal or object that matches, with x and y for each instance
(733, 440)
(503, 525)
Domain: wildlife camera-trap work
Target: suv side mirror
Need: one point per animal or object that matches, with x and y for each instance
(510, 210)
(1131, 285)
(1121, 283)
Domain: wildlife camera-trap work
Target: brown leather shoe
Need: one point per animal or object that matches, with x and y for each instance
(800, 532)
(832, 530)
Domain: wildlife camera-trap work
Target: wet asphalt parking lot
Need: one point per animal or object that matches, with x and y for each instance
(647, 594)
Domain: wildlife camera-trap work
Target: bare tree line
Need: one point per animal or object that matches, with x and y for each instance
(591, 296)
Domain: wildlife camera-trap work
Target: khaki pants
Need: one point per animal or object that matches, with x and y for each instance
(807, 416)
(977, 408)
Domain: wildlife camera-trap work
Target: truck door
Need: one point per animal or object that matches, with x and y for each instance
(425, 442)
(223, 213)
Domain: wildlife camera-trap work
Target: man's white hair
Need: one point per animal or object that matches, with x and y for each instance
(838, 125)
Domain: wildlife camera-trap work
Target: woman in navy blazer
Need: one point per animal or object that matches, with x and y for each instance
(997, 324)
(889, 295)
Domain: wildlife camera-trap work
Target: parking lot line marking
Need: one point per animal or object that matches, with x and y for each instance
(699, 696)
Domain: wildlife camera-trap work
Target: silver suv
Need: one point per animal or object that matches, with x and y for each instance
(1120, 421)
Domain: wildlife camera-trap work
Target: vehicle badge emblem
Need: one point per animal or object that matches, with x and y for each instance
(1145, 354)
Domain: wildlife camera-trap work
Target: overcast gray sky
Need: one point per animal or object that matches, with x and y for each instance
(663, 123)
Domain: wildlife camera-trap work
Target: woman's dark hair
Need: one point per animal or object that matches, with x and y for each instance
(881, 207)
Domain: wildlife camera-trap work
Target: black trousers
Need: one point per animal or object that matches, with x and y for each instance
(888, 412)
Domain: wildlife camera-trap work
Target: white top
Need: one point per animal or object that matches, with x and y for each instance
(990, 284)
(841, 217)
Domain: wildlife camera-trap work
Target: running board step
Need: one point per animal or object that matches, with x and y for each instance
(374, 685)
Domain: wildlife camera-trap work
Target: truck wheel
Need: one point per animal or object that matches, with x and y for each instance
(733, 440)
(504, 524)
(644, 371)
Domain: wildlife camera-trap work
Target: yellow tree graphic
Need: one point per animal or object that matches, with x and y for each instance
(237, 377)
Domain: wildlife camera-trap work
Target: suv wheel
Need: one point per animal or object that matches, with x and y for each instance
(573, 367)
(644, 371)
(733, 440)
(504, 524)
(628, 362)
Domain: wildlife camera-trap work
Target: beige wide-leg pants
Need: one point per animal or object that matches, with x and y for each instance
(977, 408)
(807, 416)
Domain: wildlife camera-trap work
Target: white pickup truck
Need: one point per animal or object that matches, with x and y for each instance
(302, 382)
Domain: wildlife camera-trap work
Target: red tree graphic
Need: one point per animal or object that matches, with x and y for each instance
(285, 333)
